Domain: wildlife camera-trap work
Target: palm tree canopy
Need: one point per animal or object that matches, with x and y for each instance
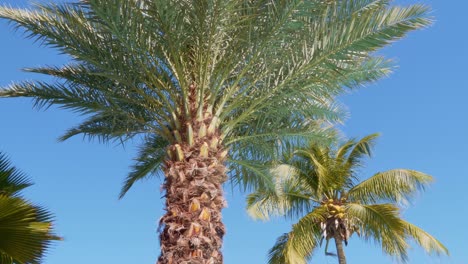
(25, 229)
(320, 184)
(265, 73)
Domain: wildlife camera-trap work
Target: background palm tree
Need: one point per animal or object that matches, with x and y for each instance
(206, 84)
(321, 184)
(25, 229)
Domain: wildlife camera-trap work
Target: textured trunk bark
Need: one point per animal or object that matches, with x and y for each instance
(191, 229)
(339, 248)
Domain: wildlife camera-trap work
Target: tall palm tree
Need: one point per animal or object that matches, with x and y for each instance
(211, 87)
(25, 229)
(321, 184)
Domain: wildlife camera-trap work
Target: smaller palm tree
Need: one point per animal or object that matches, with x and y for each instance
(25, 229)
(320, 184)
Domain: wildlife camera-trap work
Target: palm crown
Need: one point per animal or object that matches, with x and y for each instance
(25, 229)
(208, 82)
(321, 184)
(259, 70)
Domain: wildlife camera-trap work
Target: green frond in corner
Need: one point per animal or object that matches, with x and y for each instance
(25, 229)
(11, 180)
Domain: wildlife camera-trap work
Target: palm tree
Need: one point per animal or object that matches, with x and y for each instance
(321, 184)
(25, 229)
(211, 88)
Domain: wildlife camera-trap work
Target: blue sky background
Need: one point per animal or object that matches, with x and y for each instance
(421, 111)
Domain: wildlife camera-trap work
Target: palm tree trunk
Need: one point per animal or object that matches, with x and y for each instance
(339, 248)
(192, 230)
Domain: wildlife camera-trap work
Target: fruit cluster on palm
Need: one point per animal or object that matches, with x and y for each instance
(321, 184)
(212, 88)
(25, 229)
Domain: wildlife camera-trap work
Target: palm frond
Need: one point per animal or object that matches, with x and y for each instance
(320, 170)
(288, 197)
(25, 231)
(148, 162)
(370, 70)
(381, 223)
(105, 84)
(397, 186)
(11, 179)
(296, 247)
(44, 94)
(250, 174)
(107, 127)
(424, 239)
(360, 149)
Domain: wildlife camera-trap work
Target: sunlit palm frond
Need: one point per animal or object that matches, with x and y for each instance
(296, 247)
(360, 149)
(25, 231)
(381, 223)
(424, 239)
(322, 170)
(397, 186)
(288, 197)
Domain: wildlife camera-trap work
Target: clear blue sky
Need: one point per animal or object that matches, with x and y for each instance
(421, 111)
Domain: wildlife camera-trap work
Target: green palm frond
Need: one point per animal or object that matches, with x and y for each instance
(371, 70)
(397, 186)
(11, 180)
(378, 217)
(325, 173)
(250, 174)
(107, 127)
(296, 247)
(148, 162)
(47, 94)
(381, 223)
(424, 239)
(25, 231)
(287, 198)
(280, 253)
(359, 150)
